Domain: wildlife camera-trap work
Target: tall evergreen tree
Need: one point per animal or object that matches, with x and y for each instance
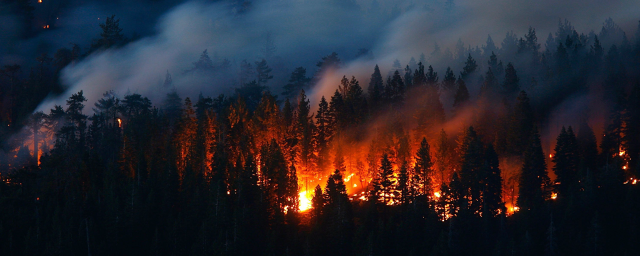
(469, 68)
(565, 161)
(534, 181)
(376, 87)
(298, 81)
(424, 167)
(449, 81)
(461, 97)
(323, 135)
(511, 81)
(263, 72)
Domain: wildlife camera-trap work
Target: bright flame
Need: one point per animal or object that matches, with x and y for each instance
(437, 194)
(119, 123)
(554, 195)
(39, 1)
(348, 178)
(550, 155)
(622, 153)
(305, 201)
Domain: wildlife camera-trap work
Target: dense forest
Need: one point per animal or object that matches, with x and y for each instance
(405, 161)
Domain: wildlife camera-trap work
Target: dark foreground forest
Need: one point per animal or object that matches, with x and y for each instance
(471, 161)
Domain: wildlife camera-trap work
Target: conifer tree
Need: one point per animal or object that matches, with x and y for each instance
(511, 81)
(492, 204)
(534, 181)
(449, 81)
(263, 72)
(565, 160)
(384, 183)
(521, 123)
(298, 81)
(424, 167)
(304, 131)
(462, 95)
(403, 186)
(470, 66)
(490, 83)
(376, 87)
(323, 135)
(408, 77)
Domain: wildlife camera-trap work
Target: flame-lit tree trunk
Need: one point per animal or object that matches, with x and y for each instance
(185, 137)
(206, 136)
(266, 122)
(36, 123)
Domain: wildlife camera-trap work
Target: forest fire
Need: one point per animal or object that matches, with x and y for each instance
(474, 153)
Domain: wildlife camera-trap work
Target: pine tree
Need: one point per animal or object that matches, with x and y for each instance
(588, 149)
(511, 81)
(471, 152)
(566, 161)
(323, 135)
(490, 84)
(304, 130)
(492, 204)
(424, 167)
(419, 77)
(521, 123)
(355, 103)
(534, 181)
(461, 98)
(263, 72)
(317, 204)
(384, 183)
(337, 112)
(111, 34)
(408, 77)
(449, 81)
(394, 90)
(328, 62)
(490, 46)
(376, 87)
(470, 66)
(298, 81)
(403, 186)
(432, 78)
(495, 65)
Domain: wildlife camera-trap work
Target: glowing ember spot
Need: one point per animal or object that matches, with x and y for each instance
(550, 155)
(355, 185)
(624, 167)
(305, 201)
(634, 181)
(622, 153)
(437, 194)
(554, 195)
(119, 123)
(39, 1)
